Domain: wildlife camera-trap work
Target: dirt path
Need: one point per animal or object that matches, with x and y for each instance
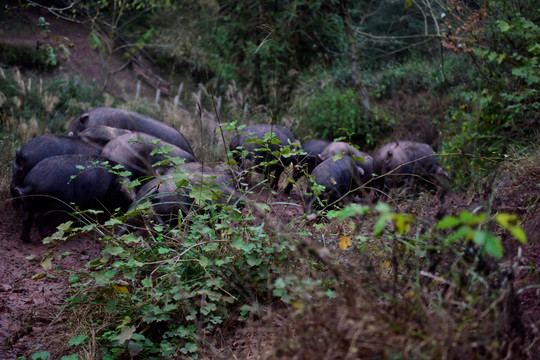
(85, 62)
(34, 283)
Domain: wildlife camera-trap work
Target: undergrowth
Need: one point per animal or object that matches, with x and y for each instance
(391, 284)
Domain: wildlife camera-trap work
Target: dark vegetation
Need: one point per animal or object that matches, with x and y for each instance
(417, 276)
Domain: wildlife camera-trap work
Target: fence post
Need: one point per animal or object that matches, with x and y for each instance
(138, 91)
(244, 115)
(218, 105)
(180, 89)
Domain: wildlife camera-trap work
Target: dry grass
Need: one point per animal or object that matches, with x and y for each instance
(7, 151)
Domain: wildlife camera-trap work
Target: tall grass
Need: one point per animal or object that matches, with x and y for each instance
(33, 106)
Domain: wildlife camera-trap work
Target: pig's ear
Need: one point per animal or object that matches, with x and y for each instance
(21, 192)
(19, 157)
(442, 172)
(84, 118)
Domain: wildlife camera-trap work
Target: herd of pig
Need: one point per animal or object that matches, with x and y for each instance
(54, 172)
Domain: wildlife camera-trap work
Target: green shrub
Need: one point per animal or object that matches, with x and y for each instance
(160, 291)
(333, 113)
(499, 111)
(25, 56)
(418, 74)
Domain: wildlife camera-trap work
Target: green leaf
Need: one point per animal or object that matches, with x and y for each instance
(471, 219)
(448, 222)
(146, 282)
(381, 223)
(125, 335)
(189, 348)
(403, 222)
(280, 283)
(46, 263)
(163, 250)
(458, 234)
(114, 250)
(382, 207)
(113, 222)
(503, 25)
(65, 226)
(44, 355)
(490, 244)
(263, 207)
(77, 340)
(95, 42)
(506, 220)
(104, 277)
(254, 261)
(349, 211)
(167, 349)
(211, 246)
(70, 357)
(519, 234)
(134, 348)
(237, 242)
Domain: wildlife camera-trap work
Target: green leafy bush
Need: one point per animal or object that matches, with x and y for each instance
(160, 290)
(501, 113)
(26, 57)
(417, 74)
(333, 113)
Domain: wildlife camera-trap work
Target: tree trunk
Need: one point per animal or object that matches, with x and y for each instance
(354, 54)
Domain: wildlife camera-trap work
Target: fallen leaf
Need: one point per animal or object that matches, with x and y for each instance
(344, 241)
(125, 335)
(47, 262)
(120, 289)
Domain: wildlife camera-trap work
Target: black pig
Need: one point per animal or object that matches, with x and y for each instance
(250, 141)
(305, 163)
(340, 178)
(408, 162)
(365, 163)
(57, 181)
(41, 147)
(129, 120)
(313, 149)
(100, 135)
(138, 152)
(175, 193)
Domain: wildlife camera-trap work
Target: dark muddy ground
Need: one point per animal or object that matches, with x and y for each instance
(34, 283)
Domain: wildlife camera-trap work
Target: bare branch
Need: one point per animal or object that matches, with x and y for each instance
(55, 11)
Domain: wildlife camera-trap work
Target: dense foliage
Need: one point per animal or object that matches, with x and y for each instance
(498, 109)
